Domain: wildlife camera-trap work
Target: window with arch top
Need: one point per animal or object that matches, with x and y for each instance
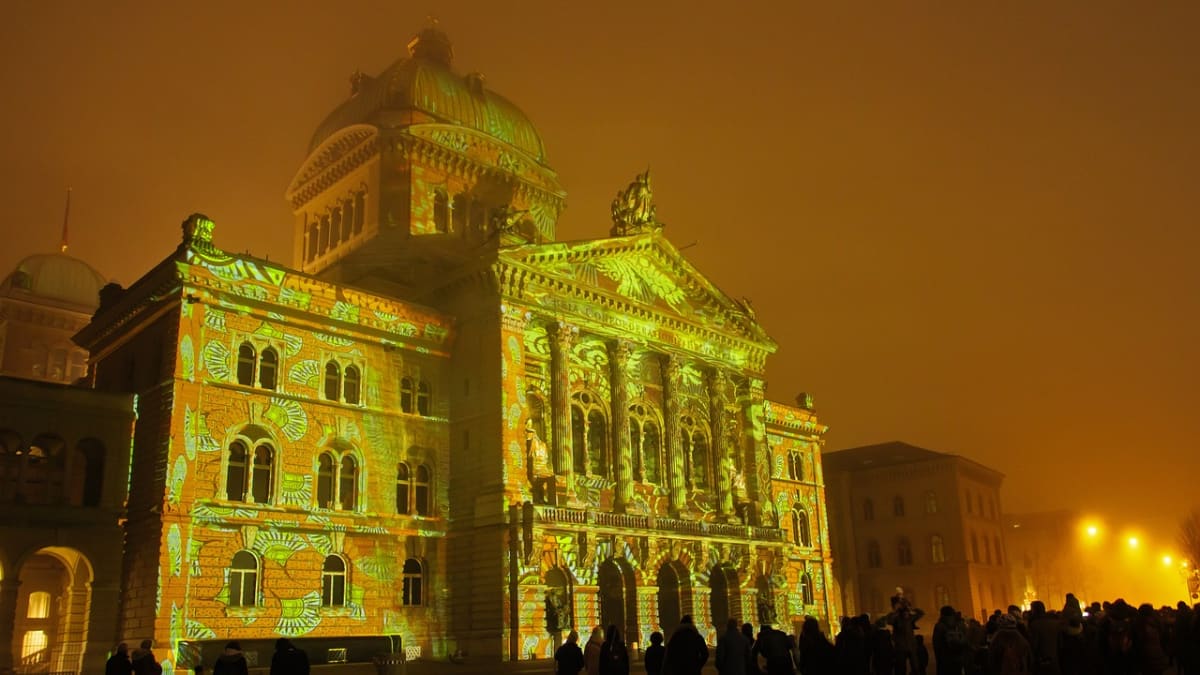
(795, 465)
(931, 505)
(250, 469)
(904, 551)
(874, 555)
(333, 380)
(441, 212)
(333, 582)
(412, 589)
(423, 398)
(801, 535)
(806, 589)
(589, 435)
(243, 580)
(247, 364)
(645, 442)
(337, 480)
(352, 386)
(408, 393)
(268, 368)
(403, 488)
(937, 549)
(697, 461)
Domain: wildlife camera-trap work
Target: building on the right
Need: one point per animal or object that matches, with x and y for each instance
(1047, 556)
(904, 517)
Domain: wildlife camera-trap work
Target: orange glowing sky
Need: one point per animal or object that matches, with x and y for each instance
(971, 228)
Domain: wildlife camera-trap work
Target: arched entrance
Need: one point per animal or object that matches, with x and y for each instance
(674, 595)
(560, 611)
(726, 595)
(54, 601)
(765, 600)
(618, 597)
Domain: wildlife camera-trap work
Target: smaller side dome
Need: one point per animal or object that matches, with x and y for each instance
(56, 276)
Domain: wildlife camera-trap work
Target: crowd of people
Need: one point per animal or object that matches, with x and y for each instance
(288, 659)
(1101, 639)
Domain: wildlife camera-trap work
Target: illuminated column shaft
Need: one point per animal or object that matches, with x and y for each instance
(670, 369)
(757, 464)
(8, 615)
(724, 454)
(618, 359)
(560, 401)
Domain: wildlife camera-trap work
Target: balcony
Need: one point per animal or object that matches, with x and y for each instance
(648, 524)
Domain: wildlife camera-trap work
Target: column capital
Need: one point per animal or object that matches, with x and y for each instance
(561, 333)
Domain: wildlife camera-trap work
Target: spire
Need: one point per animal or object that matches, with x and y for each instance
(66, 220)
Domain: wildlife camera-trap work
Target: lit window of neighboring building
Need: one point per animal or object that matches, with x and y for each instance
(874, 555)
(333, 582)
(937, 549)
(33, 646)
(904, 551)
(39, 605)
(243, 580)
(412, 590)
(931, 505)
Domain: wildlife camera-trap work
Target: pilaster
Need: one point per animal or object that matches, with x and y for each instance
(726, 463)
(670, 372)
(618, 359)
(562, 336)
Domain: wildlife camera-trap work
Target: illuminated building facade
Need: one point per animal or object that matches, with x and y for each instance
(443, 425)
(64, 463)
(924, 521)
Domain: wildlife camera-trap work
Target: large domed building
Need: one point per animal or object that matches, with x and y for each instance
(442, 431)
(43, 302)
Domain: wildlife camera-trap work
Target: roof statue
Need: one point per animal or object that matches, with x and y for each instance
(633, 208)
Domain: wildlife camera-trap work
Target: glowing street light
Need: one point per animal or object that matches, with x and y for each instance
(1133, 542)
(1092, 530)
(1167, 560)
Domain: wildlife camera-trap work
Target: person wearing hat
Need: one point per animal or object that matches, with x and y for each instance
(232, 662)
(1009, 652)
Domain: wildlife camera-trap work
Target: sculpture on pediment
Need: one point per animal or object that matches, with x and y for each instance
(633, 209)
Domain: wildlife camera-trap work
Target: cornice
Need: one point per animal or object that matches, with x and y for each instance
(308, 187)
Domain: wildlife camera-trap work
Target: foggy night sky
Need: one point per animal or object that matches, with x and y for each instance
(970, 228)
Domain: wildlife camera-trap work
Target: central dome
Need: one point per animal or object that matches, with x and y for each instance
(56, 276)
(425, 83)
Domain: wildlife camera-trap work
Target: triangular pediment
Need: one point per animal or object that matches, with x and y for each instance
(645, 271)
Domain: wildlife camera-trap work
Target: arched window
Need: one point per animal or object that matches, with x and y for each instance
(335, 226)
(237, 472)
(347, 219)
(795, 465)
(694, 441)
(323, 244)
(247, 359)
(39, 605)
(348, 483)
(904, 551)
(326, 470)
(403, 488)
(412, 592)
(874, 555)
(806, 589)
(261, 476)
(423, 396)
(589, 434)
(999, 552)
(645, 442)
(407, 395)
(333, 380)
(423, 505)
(352, 385)
(313, 238)
(898, 506)
(931, 505)
(360, 211)
(974, 548)
(267, 368)
(333, 582)
(441, 212)
(800, 532)
(937, 549)
(868, 510)
(243, 580)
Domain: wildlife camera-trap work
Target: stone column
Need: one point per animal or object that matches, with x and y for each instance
(670, 377)
(757, 465)
(618, 360)
(561, 336)
(725, 460)
(8, 617)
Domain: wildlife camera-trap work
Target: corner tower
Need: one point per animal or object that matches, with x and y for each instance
(421, 168)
